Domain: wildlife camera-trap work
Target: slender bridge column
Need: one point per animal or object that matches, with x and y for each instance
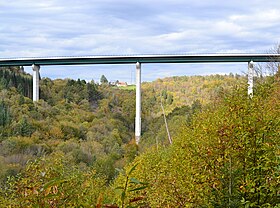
(35, 69)
(138, 103)
(250, 78)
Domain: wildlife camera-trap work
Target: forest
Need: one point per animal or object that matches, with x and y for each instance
(75, 147)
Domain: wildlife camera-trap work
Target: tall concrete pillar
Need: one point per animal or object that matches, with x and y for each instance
(138, 103)
(250, 78)
(35, 69)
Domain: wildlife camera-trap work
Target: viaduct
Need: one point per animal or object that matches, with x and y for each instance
(36, 63)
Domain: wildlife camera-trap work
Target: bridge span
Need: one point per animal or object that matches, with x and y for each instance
(36, 62)
(145, 59)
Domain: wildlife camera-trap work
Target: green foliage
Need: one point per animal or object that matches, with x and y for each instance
(169, 99)
(103, 79)
(164, 94)
(185, 90)
(5, 118)
(64, 150)
(125, 194)
(53, 183)
(91, 124)
(128, 87)
(228, 156)
(14, 77)
(4, 114)
(156, 131)
(23, 128)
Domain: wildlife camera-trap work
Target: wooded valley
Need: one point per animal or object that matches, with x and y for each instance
(76, 146)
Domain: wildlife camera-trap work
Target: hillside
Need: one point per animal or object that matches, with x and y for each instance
(180, 97)
(185, 90)
(227, 156)
(81, 133)
(91, 123)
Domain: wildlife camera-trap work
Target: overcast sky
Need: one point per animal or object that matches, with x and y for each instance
(30, 28)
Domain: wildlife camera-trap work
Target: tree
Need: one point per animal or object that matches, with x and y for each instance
(24, 128)
(270, 68)
(4, 114)
(103, 79)
(93, 94)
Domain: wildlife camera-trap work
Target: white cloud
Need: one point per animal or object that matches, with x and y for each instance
(90, 27)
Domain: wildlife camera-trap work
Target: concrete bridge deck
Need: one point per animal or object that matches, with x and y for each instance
(132, 59)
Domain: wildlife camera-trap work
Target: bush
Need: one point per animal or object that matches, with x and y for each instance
(51, 182)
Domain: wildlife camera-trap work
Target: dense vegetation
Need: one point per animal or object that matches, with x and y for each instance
(227, 156)
(75, 147)
(16, 77)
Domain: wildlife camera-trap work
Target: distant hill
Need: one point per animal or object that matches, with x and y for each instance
(184, 90)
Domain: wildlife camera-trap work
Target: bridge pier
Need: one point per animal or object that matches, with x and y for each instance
(138, 103)
(250, 78)
(35, 69)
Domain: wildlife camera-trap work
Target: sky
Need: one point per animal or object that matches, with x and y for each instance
(42, 28)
